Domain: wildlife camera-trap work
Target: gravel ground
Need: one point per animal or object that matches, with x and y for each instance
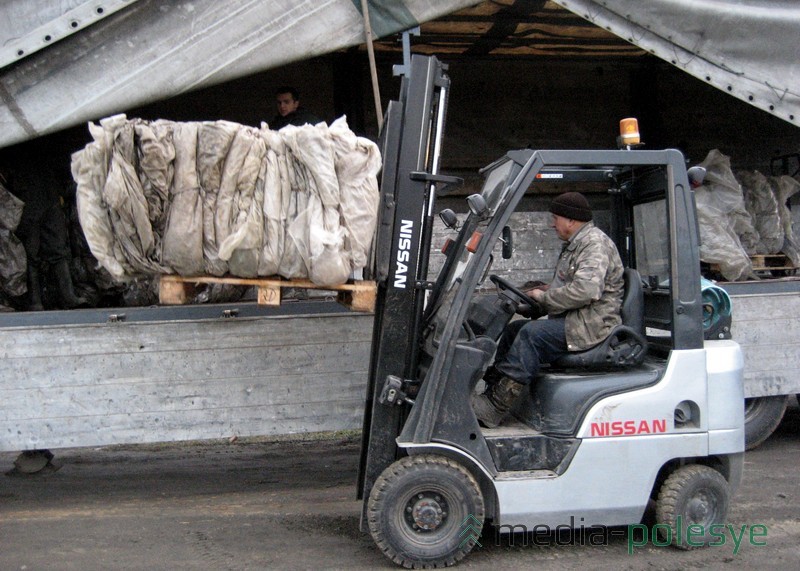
(290, 504)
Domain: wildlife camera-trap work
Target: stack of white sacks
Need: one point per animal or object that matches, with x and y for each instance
(742, 215)
(218, 198)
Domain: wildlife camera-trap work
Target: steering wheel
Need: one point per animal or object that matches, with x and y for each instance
(506, 286)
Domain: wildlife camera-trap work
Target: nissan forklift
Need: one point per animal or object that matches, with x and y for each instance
(653, 413)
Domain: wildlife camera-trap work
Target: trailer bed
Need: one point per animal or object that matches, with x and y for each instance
(160, 375)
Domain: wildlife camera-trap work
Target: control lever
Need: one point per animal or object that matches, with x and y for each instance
(439, 179)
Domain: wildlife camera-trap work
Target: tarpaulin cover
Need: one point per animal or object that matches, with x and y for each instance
(150, 50)
(217, 198)
(748, 49)
(155, 49)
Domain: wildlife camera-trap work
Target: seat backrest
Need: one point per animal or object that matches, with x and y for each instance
(632, 311)
(626, 344)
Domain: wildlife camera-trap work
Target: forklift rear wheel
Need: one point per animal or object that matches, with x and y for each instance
(426, 512)
(695, 496)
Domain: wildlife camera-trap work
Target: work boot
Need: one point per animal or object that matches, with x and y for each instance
(34, 289)
(493, 406)
(69, 299)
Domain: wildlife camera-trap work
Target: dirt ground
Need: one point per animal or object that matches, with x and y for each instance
(291, 505)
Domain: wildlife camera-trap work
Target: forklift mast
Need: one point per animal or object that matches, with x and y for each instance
(410, 144)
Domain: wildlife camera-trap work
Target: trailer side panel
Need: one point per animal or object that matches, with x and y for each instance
(121, 383)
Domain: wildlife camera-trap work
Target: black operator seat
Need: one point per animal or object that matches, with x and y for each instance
(560, 398)
(626, 344)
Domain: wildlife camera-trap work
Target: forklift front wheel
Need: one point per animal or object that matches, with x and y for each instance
(692, 500)
(425, 511)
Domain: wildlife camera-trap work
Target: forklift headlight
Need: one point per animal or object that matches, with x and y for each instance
(477, 205)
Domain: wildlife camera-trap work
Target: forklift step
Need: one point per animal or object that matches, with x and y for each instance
(358, 295)
(510, 428)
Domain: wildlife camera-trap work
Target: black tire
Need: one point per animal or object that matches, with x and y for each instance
(425, 512)
(762, 415)
(692, 495)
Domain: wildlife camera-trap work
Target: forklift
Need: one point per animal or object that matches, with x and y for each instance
(652, 414)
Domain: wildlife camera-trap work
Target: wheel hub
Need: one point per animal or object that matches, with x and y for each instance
(699, 508)
(426, 511)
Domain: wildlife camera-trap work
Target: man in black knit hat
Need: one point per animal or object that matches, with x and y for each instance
(582, 304)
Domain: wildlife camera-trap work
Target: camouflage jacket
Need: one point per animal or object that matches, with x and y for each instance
(587, 288)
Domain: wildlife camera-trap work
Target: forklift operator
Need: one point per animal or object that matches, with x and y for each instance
(582, 304)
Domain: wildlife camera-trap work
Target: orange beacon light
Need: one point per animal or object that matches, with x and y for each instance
(629, 131)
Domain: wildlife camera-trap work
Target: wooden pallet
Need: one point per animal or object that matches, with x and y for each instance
(763, 262)
(778, 264)
(358, 295)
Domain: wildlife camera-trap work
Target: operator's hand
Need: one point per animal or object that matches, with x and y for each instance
(534, 284)
(537, 294)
